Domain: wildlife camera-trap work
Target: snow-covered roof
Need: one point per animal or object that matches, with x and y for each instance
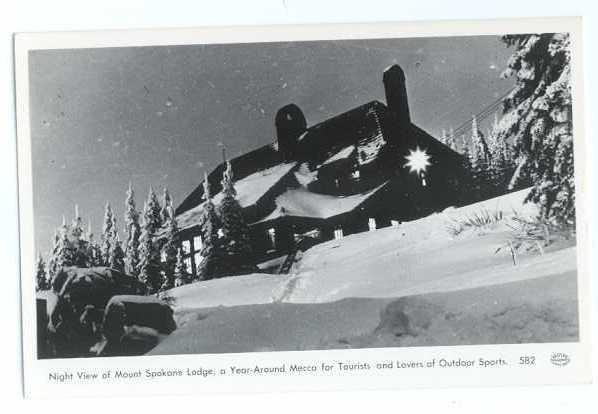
(249, 190)
(343, 154)
(300, 202)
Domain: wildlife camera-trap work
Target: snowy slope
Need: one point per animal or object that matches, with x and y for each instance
(453, 289)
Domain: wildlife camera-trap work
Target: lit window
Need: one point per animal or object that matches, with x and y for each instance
(272, 236)
(197, 258)
(355, 174)
(220, 233)
(188, 265)
(338, 234)
(163, 256)
(372, 224)
(336, 182)
(394, 223)
(197, 243)
(186, 246)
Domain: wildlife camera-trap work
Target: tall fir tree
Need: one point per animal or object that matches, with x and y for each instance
(538, 117)
(107, 236)
(443, 137)
(133, 232)
(41, 277)
(93, 250)
(53, 256)
(79, 244)
(165, 213)
(117, 255)
(149, 251)
(169, 249)
(236, 240)
(211, 249)
(64, 249)
(450, 140)
(479, 161)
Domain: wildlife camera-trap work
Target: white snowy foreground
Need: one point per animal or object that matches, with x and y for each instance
(416, 284)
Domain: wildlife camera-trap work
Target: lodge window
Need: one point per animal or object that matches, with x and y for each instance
(163, 256)
(220, 233)
(394, 223)
(197, 243)
(338, 233)
(186, 246)
(188, 265)
(372, 224)
(356, 174)
(272, 237)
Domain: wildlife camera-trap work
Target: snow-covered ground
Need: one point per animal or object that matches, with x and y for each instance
(453, 289)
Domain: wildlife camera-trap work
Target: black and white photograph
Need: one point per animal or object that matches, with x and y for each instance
(336, 195)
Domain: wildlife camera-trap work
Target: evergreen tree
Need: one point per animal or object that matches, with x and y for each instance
(133, 232)
(169, 249)
(107, 236)
(117, 255)
(79, 245)
(64, 249)
(236, 241)
(166, 213)
(149, 251)
(153, 215)
(181, 276)
(41, 277)
(450, 140)
(443, 138)
(538, 118)
(211, 250)
(93, 250)
(479, 161)
(53, 257)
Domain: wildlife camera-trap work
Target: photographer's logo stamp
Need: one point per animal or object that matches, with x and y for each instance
(560, 359)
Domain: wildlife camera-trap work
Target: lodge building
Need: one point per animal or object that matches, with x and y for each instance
(364, 169)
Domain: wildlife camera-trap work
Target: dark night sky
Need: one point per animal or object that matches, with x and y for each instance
(158, 115)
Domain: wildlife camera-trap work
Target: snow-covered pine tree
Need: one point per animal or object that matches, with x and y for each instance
(79, 244)
(169, 249)
(117, 255)
(181, 276)
(165, 213)
(153, 215)
(107, 236)
(133, 232)
(149, 252)
(211, 250)
(236, 241)
(479, 157)
(500, 166)
(53, 256)
(41, 277)
(93, 250)
(538, 119)
(443, 138)
(450, 140)
(64, 249)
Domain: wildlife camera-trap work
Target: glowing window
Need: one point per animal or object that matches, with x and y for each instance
(197, 243)
(394, 223)
(372, 224)
(188, 265)
(338, 234)
(186, 246)
(355, 174)
(272, 236)
(197, 258)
